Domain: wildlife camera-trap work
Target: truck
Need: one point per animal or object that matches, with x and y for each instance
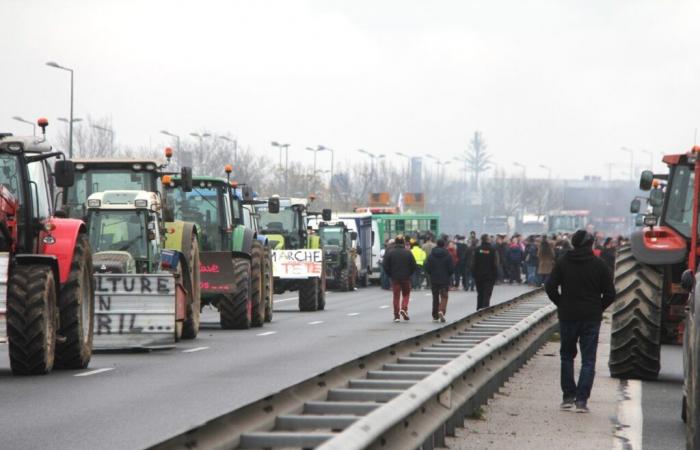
(46, 285)
(236, 263)
(105, 174)
(144, 292)
(339, 255)
(654, 277)
(297, 256)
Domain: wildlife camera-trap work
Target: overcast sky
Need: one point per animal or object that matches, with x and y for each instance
(560, 83)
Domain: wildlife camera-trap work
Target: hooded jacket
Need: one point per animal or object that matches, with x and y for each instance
(439, 266)
(486, 262)
(581, 285)
(399, 263)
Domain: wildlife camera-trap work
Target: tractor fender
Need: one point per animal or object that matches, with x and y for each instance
(44, 260)
(243, 240)
(178, 235)
(658, 246)
(65, 237)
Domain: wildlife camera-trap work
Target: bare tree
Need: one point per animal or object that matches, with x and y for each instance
(478, 160)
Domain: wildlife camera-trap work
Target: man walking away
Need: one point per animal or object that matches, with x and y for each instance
(440, 268)
(581, 285)
(400, 265)
(419, 255)
(484, 271)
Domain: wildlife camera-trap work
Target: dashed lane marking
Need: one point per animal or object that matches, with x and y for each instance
(315, 322)
(93, 372)
(353, 314)
(284, 300)
(267, 333)
(196, 349)
(384, 307)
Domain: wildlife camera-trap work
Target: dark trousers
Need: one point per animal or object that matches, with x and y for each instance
(402, 292)
(514, 272)
(484, 289)
(586, 335)
(440, 294)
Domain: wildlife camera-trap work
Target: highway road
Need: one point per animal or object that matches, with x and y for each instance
(133, 400)
(663, 428)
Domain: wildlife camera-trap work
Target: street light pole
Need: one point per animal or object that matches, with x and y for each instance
(19, 119)
(408, 170)
(111, 136)
(235, 148)
(286, 164)
(321, 148)
(70, 129)
(177, 138)
(201, 145)
(373, 158)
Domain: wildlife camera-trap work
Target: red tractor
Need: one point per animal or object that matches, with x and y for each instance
(654, 277)
(46, 284)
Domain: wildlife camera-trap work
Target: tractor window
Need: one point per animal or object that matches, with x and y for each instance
(119, 230)
(679, 210)
(331, 236)
(39, 190)
(87, 182)
(203, 206)
(283, 222)
(9, 174)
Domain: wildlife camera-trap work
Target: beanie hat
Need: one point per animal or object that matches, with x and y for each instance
(582, 238)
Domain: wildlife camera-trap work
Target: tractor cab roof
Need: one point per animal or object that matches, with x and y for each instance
(30, 144)
(136, 165)
(123, 200)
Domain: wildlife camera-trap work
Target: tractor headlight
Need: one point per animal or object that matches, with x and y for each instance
(150, 167)
(94, 203)
(141, 203)
(136, 166)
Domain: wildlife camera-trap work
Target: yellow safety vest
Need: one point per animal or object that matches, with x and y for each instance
(418, 255)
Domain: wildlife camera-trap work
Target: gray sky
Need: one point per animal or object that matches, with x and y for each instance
(560, 83)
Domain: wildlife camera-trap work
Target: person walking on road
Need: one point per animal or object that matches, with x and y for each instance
(484, 271)
(419, 255)
(581, 285)
(400, 265)
(440, 268)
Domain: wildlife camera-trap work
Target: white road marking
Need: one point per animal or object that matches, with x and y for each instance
(630, 420)
(353, 314)
(267, 333)
(315, 322)
(284, 300)
(428, 295)
(384, 307)
(196, 349)
(93, 372)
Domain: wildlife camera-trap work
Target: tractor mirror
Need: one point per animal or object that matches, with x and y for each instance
(353, 235)
(639, 220)
(656, 197)
(326, 214)
(64, 173)
(635, 206)
(646, 180)
(649, 220)
(687, 280)
(273, 205)
(186, 179)
(247, 193)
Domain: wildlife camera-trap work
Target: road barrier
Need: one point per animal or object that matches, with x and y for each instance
(409, 395)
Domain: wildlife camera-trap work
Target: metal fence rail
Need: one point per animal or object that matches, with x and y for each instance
(406, 396)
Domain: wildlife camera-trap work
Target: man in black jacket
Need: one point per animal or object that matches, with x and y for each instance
(399, 265)
(587, 288)
(440, 268)
(484, 271)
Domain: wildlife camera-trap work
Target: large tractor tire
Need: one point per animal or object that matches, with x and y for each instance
(32, 319)
(235, 310)
(308, 294)
(268, 284)
(344, 281)
(257, 287)
(635, 343)
(690, 412)
(190, 327)
(76, 304)
(322, 290)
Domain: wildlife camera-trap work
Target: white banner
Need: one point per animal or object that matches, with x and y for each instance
(303, 263)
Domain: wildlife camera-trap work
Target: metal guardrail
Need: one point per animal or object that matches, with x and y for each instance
(405, 396)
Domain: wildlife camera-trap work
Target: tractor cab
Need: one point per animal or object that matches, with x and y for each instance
(125, 231)
(285, 223)
(339, 254)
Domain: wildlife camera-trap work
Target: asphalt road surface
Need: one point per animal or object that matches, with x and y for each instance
(133, 400)
(663, 428)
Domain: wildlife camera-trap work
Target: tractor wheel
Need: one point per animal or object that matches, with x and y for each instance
(308, 294)
(190, 327)
(235, 309)
(344, 282)
(257, 288)
(322, 290)
(690, 412)
(32, 319)
(268, 284)
(635, 342)
(76, 304)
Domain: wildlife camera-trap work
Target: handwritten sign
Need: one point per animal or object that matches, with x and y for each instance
(297, 263)
(134, 311)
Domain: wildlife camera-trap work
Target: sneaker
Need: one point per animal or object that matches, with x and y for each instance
(567, 404)
(441, 315)
(404, 314)
(435, 319)
(582, 407)
(396, 319)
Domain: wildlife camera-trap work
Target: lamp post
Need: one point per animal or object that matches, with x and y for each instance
(286, 164)
(408, 170)
(201, 144)
(321, 148)
(631, 152)
(111, 136)
(70, 127)
(19, 119)
(373, 158)
(235, 147)
(315, 150)
(548, 169)
(177, 138)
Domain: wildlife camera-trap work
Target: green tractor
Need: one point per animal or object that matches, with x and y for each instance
(297, 255)
(339, 255)
(99, 175)
(236, 263)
